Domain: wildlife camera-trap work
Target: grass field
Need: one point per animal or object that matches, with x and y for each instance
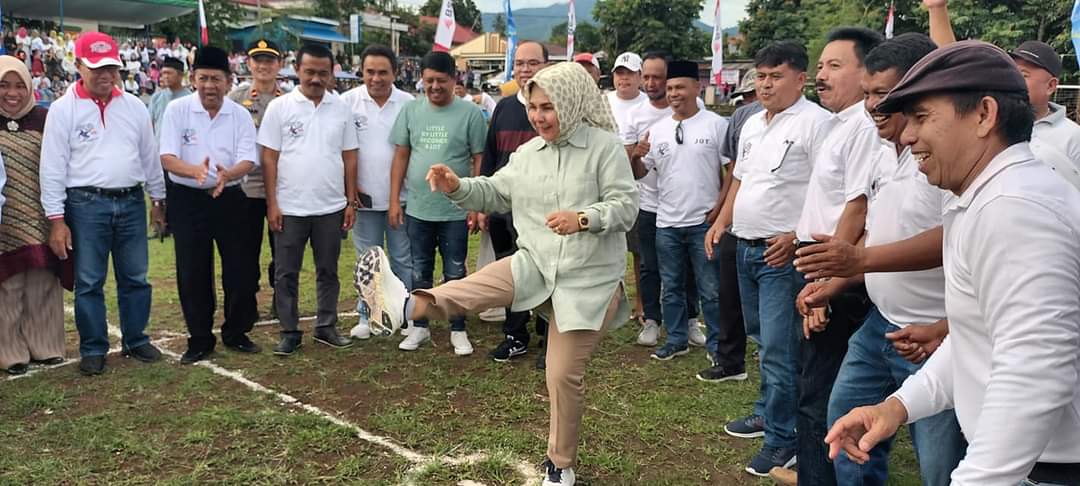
(366, 415)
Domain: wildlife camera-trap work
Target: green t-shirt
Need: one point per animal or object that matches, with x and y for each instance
(449, 135)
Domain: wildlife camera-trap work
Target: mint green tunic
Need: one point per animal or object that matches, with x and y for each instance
(588, 172)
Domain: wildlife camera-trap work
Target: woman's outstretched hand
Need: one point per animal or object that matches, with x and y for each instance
(442, 179)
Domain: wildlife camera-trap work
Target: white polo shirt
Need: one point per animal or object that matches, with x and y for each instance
(902, 204)
(90, 144)
(1055, 139)
(688, 174)
(1011, 364)
(310, 139)
(842, 171)
(188, 132)
(639, 120)
(373, 124)
(775, 160)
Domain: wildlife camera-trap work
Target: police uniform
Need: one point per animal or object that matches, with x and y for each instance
(255, 103)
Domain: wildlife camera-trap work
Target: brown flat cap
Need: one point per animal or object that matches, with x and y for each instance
(969, 65)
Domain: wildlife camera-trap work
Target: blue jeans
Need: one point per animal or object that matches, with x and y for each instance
(372, 229)
(451, 238)
(679, 246)
(768, 301)
(101, 225)
(872, 370)
(649, 284)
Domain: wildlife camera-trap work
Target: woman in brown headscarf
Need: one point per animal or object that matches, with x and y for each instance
(31, 300)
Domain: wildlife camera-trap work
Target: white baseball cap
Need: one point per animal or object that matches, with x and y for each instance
(628, 60)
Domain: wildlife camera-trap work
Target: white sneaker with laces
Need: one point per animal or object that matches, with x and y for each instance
(650, 333)
(559, 477)
(460, 341)
(418, 336)
(381, 290)
(697, 338)
(361, 330)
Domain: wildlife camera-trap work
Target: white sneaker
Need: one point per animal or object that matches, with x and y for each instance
(460, 341)
(558, 477)
(697, 338)
(418, 336)
(406, 328)
(361, 330)
(381, 290)
(649, 334)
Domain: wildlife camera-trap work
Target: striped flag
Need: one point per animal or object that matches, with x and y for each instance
(718, 47)
(889, 22)
(204, 34)
(511, 40)
(571, 26)
(444, 33)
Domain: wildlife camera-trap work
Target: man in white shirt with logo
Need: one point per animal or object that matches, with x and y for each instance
(375, 106)
(207, 147)
(777, 150)
(1009, 367)
(835, 208)
(635, 134)
(685, 154)
(309, 164)
(97, 155)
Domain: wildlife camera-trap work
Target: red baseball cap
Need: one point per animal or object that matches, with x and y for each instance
(587, 58)
(96, 50)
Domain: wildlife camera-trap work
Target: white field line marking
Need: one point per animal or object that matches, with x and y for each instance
(421, 461)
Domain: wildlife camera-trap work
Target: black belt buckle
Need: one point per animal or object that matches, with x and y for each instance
(1065, 474)
(109, 192)
(803, 244)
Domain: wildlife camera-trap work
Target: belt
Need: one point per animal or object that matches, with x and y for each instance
(107, 192)
(758, 242)
(1066, 474)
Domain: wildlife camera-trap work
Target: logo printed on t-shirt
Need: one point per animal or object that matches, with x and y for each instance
(296, 129)
(86, 132)
(434, 137)
(189, 136)
(360, 122)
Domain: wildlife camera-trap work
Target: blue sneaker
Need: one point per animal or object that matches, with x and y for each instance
(748, 427)
(770, 457)
(669, 351)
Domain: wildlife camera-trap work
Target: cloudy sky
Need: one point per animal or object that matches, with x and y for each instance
(731, 10)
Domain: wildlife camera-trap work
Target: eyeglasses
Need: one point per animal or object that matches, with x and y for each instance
(533, 63)
(678, 133)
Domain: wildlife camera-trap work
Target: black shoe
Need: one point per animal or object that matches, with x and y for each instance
(509, 349)
(18, 369)
(193, 356)
(329, 336)
(541, 359)
(748, 427)
(288, 344)
(242, 344)
(92, 365)
(771, 457)
(717, 374)
(55, 360)
(146, 353)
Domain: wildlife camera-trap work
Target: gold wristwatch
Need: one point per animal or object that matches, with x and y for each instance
(583, 221)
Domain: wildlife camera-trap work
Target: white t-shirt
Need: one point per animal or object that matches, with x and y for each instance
(688, 173)
(310, 139)
(621, 108)
(775, 160)
(188, 132)
(842, 171)
(373, 124)
(640, 119)
(902, 204)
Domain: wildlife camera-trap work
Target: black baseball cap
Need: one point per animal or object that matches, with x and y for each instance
(263, 47)
(1039, 54)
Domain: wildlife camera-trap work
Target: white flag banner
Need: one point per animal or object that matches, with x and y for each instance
(571, 26)
(717, 48)
(889, 22)
(444, 33)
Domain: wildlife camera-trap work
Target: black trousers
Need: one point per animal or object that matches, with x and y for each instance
(820, 358)
(253, 237)
(731, 345)
(199, 223)
(325, 234)
(504, 242)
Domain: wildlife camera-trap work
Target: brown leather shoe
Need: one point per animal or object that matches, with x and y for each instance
(785, 477)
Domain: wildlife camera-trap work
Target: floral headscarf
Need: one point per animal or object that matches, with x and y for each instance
(576, 97)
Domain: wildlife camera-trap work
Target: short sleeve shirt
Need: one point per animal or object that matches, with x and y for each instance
(188, 132)
(310, 140)
(448, 135)
(688, 173)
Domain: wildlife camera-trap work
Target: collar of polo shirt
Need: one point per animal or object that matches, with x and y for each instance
(81, 92)
(1010, 156)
